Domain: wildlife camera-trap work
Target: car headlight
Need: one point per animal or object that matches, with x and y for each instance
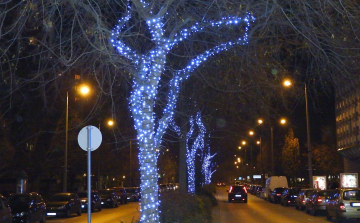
(19, 215)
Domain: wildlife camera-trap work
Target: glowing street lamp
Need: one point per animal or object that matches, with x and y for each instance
(282, 122)
(83, 90)
(287, 83)
(110, 122)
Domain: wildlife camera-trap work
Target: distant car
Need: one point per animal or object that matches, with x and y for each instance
(108, 198)
(317, 201)
(237, 193)
(163, 188)
(121, 194)
(27, 207)
(63, 204)
(343, 204)
(5, 210)
(275, 195)
(133, 193)
(258, 191)
(302, 198)
(289, 195)
(95, 201)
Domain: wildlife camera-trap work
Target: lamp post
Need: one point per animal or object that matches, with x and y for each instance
(282, 122)
(84, 90)
(287, 83)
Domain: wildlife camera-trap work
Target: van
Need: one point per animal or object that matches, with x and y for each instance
(274, 182)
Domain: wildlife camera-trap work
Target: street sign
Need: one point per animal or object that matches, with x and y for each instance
(89, 137)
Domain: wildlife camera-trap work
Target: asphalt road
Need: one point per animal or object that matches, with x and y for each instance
(125, 213)
(258, 210)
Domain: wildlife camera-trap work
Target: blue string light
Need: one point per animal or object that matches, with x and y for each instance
(208, 166)
(149, 67)
(191, 150)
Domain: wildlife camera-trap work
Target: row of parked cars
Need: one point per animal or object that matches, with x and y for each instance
(31, 207)
(340, 203)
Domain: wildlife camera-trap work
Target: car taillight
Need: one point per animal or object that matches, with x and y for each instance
(278, 194)
(342, 207)
(245, 190)
(319, 200)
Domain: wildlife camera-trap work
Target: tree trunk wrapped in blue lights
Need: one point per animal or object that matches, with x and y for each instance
(146, 72)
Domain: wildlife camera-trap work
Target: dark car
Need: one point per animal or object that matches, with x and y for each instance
(108, 198)
(5, 210)
(121, 194)
(237, 193)
(289, 195)
(133, 193)
(317, 201)
(258, 191)
(95, 201)
(27, 207)
(63, 204)
(275, 195)
(303, 196)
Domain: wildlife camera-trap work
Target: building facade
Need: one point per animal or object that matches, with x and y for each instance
(347, 110)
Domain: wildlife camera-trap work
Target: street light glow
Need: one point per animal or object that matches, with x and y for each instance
(243, 142)
(287, 83)
(260, 121)
(251, 133)
(84, 89)
(283, 121)
(258, 142)
(239, 147)
(110, 122)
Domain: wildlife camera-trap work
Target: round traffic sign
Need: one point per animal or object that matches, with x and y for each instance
(89, 138)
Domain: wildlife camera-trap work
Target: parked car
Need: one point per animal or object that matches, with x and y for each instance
(258, 191)
(95, 201)
(27, 207)
(121, 194)
(237, 193)
(272, 183)
(133, 193)
(317, 201)
(108, 198)
(163, 188)
(302, 198)
(63, 204)
(275, 195)
(343, 204)
(289, 195)
(5, 211)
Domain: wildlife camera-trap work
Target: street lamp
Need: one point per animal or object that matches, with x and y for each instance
(282, 122)
(84, 90)
(287, 83)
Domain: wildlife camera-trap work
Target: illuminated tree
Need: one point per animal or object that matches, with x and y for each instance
(207, 166)
(148, 70)
(192, 148)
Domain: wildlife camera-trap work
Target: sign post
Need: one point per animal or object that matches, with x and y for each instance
(89, 139)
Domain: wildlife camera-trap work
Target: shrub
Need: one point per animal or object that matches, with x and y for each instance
(176, 207)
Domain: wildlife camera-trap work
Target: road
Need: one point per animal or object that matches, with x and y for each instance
(258, 210)
(125, 213)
